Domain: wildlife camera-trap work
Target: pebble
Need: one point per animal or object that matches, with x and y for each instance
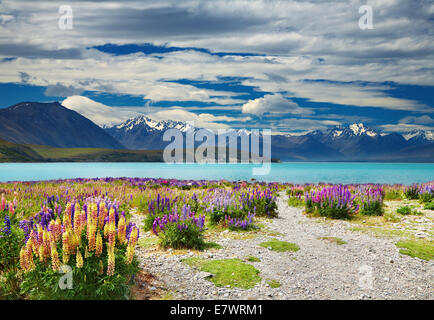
(315, 271)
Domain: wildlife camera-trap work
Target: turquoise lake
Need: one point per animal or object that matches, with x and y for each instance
(294, 172)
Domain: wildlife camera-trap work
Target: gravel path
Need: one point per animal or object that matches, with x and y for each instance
(365, 267)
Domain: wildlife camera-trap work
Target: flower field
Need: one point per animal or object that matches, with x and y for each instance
(83, 229)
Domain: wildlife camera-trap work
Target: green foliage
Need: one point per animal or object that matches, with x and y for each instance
(191, 237)
(295, 202)
(89, 282)
(266, 207)
(228, 272)
(10, 245)
(280, 246)
(406, 210)
(412, 192)
(393, 194)
(417, 248)
(373, 208)
(429, 206)
(426, 197)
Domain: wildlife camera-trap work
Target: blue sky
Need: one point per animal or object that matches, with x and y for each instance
(291, 66)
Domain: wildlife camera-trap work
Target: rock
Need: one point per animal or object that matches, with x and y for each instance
(204, 275)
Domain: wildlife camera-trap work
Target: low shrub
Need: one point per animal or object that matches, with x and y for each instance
(334, 202)
(240, 224)
(295, 201)
(412, 192)
(426, 197)
(372, 202)
(429, 206)
(180, 231)
(405, 210)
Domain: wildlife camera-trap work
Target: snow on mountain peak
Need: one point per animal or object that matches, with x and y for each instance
(154, 125)
(359, 129)
(419, 134)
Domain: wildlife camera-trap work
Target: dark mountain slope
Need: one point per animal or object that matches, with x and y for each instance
(53, 125)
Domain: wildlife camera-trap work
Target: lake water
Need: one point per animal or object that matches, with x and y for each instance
(294, 172)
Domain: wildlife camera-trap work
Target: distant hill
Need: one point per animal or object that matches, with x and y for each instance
(12, 152)
(53, 125)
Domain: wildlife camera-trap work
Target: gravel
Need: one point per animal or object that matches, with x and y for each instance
(365, 267)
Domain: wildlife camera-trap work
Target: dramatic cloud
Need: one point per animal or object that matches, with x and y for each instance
(99, 113)
(284, 52)
(273, 103)
(106, 116)
(60, 90)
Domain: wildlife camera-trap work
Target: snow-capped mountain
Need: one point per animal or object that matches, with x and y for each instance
(419, 136)
(151, 125)
(353, 142)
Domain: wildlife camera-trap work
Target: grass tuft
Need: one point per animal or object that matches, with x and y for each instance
(227, 272)
(274, 284)
(417, 249)
(280, 246)
(253, 259)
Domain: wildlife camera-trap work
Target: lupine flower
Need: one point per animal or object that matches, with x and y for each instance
(122, 228)
(98, 246)
(79, 259)
(111, 261)
(55, 263)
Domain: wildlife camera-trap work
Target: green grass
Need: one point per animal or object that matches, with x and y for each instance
(382, 232)
(212, 245)
(273, 284)
(295, 202)
(336, 240)
(429, 205)
(13, 152)
(280, 246)
(417, 248)
(95, 154)
(253, 259)
(148, 242)
(227, 272)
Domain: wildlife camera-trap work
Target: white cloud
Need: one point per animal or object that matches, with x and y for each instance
(417, 120)
(97, 112)
(178, 92)
(273, 103)
(404, 127)
(106, 116)
(202, 120)
(293, 124)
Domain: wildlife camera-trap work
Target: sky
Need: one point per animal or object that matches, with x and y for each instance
(290, 66)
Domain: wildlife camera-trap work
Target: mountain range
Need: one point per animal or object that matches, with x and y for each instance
(354, 142)
(53, 125)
